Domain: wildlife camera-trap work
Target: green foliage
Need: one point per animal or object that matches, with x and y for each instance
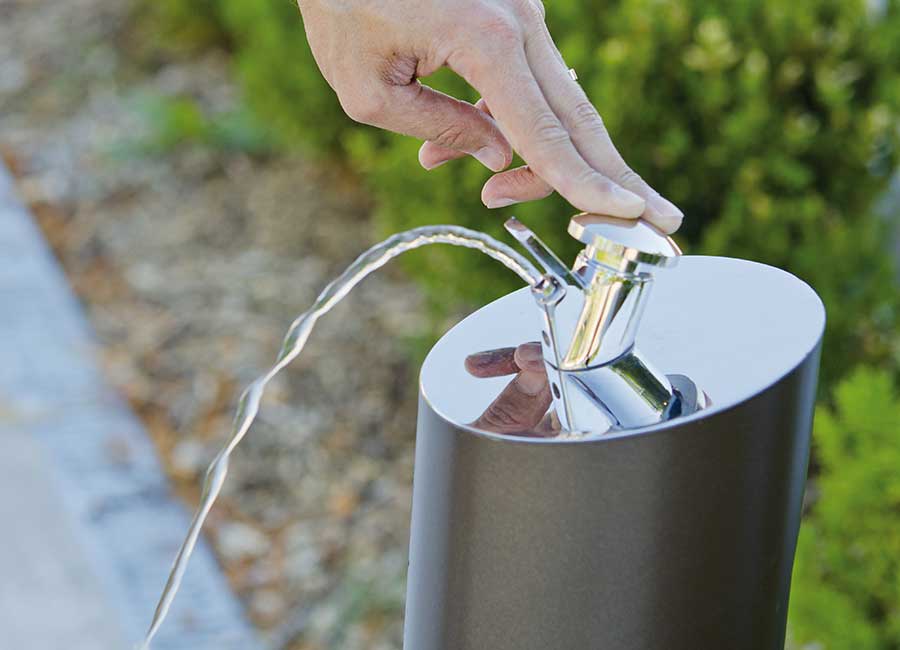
(772, 124)
(279, 75)
(187, 26)
(846, 592)
(178, 121)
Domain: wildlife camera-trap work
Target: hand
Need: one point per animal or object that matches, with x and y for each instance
(372, 53)
(521, 408)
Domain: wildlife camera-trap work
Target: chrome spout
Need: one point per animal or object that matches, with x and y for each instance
(599, 380)
(616, 267)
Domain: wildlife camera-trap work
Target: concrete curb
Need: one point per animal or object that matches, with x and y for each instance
(86, 508)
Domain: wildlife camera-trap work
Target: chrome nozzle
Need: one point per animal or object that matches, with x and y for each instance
(616, 269)
(594, 367)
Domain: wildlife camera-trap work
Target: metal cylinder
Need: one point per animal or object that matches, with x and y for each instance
(677, 536)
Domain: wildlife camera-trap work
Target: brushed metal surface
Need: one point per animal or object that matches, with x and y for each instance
(674, 537)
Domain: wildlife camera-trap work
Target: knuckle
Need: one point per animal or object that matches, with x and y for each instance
(399, 70)
(500, 28)
(501, 415)
(627, 177)
(452, 137)
(545, 129)
(521, 178)
(532, 12)
(525, 182)
(587, 177)
(584, 116)
(467, 63)
(545, 137)
(490, 35)
(367, 108)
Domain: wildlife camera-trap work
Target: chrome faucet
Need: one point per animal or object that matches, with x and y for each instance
(598, 378)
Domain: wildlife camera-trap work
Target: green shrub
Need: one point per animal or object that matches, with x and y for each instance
(175, 27)
(772, 124)
(280, 77)
(177, 121)
(846, 593)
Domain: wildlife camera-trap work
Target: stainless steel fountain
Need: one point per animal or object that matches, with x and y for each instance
(648, 495)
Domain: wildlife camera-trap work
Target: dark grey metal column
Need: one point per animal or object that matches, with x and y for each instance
(678, 536)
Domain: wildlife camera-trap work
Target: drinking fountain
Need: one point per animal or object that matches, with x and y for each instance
(642, 491)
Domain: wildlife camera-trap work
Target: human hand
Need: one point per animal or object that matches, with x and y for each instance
(522, 407)
(372, 53)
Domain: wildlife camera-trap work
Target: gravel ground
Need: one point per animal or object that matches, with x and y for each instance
(191, 263)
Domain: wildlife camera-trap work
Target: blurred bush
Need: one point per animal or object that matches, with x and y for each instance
(772, 124)
(178, 121)
(846, 592)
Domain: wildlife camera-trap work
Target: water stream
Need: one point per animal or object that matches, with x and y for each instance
(294, 341)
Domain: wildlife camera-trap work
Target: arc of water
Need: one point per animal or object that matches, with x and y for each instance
(294, 341)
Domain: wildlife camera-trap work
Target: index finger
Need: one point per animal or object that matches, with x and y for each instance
(587, 131)
(529, 123)
(492, 363)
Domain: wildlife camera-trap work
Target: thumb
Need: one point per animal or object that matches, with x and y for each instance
(425, 113)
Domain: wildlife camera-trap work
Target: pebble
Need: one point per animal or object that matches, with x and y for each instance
(237, 541)
(190, 457)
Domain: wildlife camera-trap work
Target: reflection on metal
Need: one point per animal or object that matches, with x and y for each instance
(549, 293)
(595, 371)
(609, 319)
(618, 262)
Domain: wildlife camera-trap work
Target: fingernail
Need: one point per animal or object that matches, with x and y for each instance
(629, 201)
(500, 202)
(529, 356)
(667, 224)
(434, 165)
(665, 215)
(490, 158)
(488, 356)
(531, 383)
(492, 362)
(530, 352)
(428, 164)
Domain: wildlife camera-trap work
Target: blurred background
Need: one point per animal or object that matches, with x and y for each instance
(198, 182)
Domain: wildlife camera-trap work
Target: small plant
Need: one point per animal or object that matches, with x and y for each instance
(179, 121)
(846, 593)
